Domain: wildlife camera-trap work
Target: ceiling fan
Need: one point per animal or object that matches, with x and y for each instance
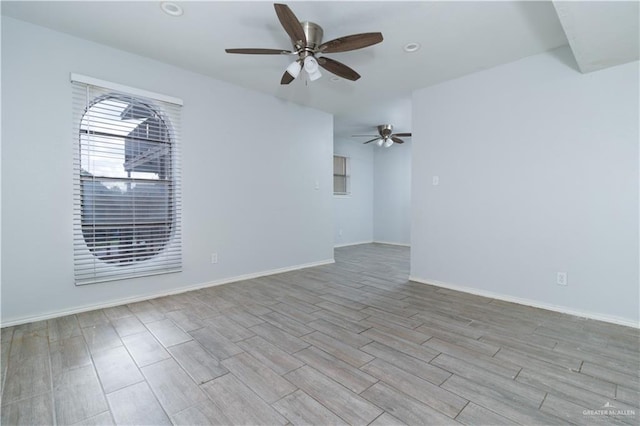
(307, 44)
(385, 136)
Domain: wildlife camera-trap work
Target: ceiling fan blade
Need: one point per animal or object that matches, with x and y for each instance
(351, 42)
(259, 51)
(403, 135)
(338, 68)
(286, 78)
(372, 140)
(396, 140)
(290, 23)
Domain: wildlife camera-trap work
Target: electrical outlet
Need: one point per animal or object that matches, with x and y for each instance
(340, 232)
(435, 181)
(561, 278)
(214, 257)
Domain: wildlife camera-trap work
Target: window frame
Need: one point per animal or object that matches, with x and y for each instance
(163, 257)
(346, 175)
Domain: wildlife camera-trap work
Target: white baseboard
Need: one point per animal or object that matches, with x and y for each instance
(528, 302)
(371, 242)
(352, 244)
(127, 300)
(392, 244)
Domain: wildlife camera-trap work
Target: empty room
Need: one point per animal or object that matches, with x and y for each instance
(313, 213)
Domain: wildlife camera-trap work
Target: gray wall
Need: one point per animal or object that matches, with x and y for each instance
(248, 194)
(379, 206)
(392, 194)
(352, 214)
(538, 168)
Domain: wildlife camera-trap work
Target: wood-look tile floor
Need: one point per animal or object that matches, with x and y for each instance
(349, 343)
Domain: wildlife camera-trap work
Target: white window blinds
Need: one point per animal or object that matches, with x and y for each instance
(127, 198)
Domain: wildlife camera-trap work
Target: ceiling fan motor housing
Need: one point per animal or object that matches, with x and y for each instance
(313, 32)
(385, 130)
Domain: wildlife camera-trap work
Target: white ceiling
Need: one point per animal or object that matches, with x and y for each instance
(457, 38)
(601, 34)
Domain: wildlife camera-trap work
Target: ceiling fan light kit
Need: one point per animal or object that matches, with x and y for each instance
(311, 67)
(294, 69)
(306, 38)
(385, 137)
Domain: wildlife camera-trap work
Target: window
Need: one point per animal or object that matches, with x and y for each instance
(127, 182)
(341, 175)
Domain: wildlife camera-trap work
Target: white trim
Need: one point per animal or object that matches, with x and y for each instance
(392, 244)
(528, 302)
(352, 244)
(79, 78)
(118, 302)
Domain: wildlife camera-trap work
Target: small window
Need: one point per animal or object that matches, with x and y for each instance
(341, 175)
(127, 211)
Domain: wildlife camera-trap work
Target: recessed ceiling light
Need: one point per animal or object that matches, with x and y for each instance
(171, 8)
(411, 47)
